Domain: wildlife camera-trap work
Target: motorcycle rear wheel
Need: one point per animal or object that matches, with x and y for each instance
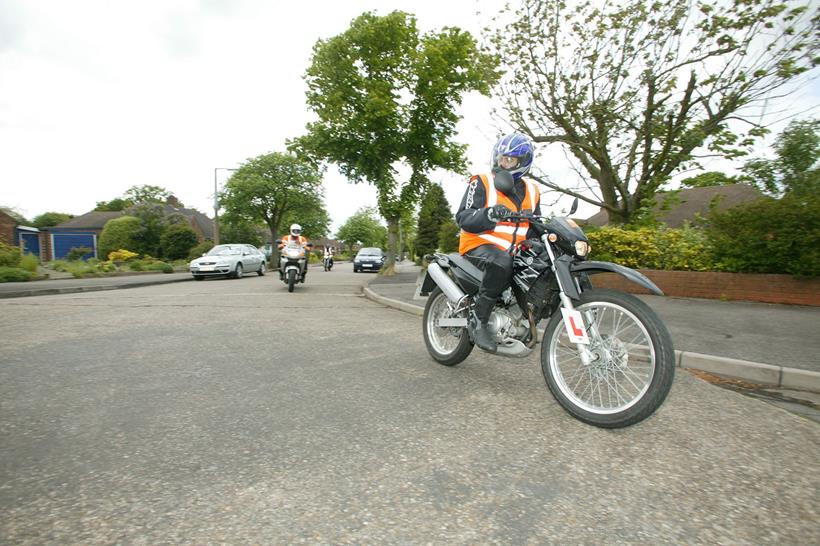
(447, 345)
(633, 362)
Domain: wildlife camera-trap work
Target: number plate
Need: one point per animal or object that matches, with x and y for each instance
(207, 268)
(367, 265)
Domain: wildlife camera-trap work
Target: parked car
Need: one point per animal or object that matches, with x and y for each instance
(229, 261)
(368, 259)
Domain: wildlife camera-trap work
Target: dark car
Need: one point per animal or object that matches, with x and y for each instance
(368, 259)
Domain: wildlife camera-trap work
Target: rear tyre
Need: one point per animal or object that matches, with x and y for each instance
(632, 366)
(447, 345)
(291, 279)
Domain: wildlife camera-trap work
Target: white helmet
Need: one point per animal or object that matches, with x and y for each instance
(295, 230)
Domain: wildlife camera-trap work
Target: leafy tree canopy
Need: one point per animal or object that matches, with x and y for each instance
(14, 213)
(635, 90)
(795, 170)
(275, 188)
(386, 95)
(48, 219)
(116, 204)
(147, 194)
(363, 228)
(707, 179)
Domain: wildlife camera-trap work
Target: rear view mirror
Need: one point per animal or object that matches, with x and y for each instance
(574, 207)
(278, 241)
(310, 245)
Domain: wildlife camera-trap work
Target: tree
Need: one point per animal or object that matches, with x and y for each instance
(124, 233)
(363, 227)
(235, 229)
(153, 220)
(147, 194)
(14, 213)
(435, 211)
(116, 204)
(386, 96)
(48, 219)
(176, 241)
(448, 236)
(274, 188)
(708, 179)
(635, 90)
(794, 171)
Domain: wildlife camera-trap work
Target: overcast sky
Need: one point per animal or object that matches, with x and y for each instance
(98, 96)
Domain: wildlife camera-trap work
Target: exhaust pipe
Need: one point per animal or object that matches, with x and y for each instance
(443, 280)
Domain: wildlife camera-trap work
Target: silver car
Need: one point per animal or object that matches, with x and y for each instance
(228, 261)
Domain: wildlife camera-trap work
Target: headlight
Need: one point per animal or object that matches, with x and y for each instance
(582, 248)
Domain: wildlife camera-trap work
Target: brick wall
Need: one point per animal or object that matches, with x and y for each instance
(7, 224)
(728, 286)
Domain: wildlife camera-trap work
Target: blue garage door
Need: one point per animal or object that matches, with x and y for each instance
(31, 243)
(64, 242)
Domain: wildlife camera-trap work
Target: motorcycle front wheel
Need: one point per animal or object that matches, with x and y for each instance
(631, 367)
(291, 279)
(447, 345)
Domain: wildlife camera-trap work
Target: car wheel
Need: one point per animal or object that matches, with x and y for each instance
(261, 270)
(238, 272)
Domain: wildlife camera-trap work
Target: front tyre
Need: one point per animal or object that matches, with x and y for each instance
(632, 361)
(261, 270)
(238, 272)
(447, 345)
(291, 279)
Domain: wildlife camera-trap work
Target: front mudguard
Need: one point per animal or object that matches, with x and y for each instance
(591, 268)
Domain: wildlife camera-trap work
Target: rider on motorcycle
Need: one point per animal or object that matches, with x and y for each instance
(486, 235)
(327, 257)
(295, 236)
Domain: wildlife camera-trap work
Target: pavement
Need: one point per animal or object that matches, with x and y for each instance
(777, 346)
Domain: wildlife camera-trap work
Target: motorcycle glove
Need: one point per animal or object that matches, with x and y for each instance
(496, 213)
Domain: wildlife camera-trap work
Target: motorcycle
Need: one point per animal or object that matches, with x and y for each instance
(293, 264)
(327, 261)
(606, 356)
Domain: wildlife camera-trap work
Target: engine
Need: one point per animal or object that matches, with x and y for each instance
(508, 322)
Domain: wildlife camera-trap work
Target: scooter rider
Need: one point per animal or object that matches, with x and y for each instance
(486, 237)
(295, 236)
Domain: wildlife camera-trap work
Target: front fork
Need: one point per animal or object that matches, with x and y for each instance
(566, 302)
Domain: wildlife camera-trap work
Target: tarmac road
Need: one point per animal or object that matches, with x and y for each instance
(229, 411)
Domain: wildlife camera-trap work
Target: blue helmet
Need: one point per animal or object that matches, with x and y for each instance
(514, 145)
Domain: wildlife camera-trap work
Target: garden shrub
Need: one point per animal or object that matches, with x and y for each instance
(121, 255)
(635, 249)
(200, 249)
(14, 274)
(29, 262)
(120, 233)
(176, 241)
(10, 255)
(768, 236)
(77, 253)
(684, 249)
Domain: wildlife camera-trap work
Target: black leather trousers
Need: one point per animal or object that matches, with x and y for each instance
(497, 267)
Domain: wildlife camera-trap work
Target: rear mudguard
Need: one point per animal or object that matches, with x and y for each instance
(631, 275)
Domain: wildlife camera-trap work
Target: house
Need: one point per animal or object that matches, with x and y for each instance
(84, 231)
(676, 208)
(13, 233)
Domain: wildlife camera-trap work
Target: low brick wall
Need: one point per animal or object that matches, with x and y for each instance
(725, 286)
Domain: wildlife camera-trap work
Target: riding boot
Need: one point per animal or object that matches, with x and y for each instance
(483, 338)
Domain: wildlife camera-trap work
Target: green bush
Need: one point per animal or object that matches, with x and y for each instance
(768, 236)
(136, 265)
(76, 253)
(200, 249)
(160, 266)
(14, 274)
(124, 232)
(630, 248)
(176, 241)
(9, 255)
(29, 262)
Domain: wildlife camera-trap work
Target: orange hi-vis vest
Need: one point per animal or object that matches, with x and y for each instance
(505, 233)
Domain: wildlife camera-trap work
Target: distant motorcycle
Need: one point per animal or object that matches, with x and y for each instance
(327, 261)
(606, 356)
(293, 264)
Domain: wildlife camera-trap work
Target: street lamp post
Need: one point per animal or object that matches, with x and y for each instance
(216, 203)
